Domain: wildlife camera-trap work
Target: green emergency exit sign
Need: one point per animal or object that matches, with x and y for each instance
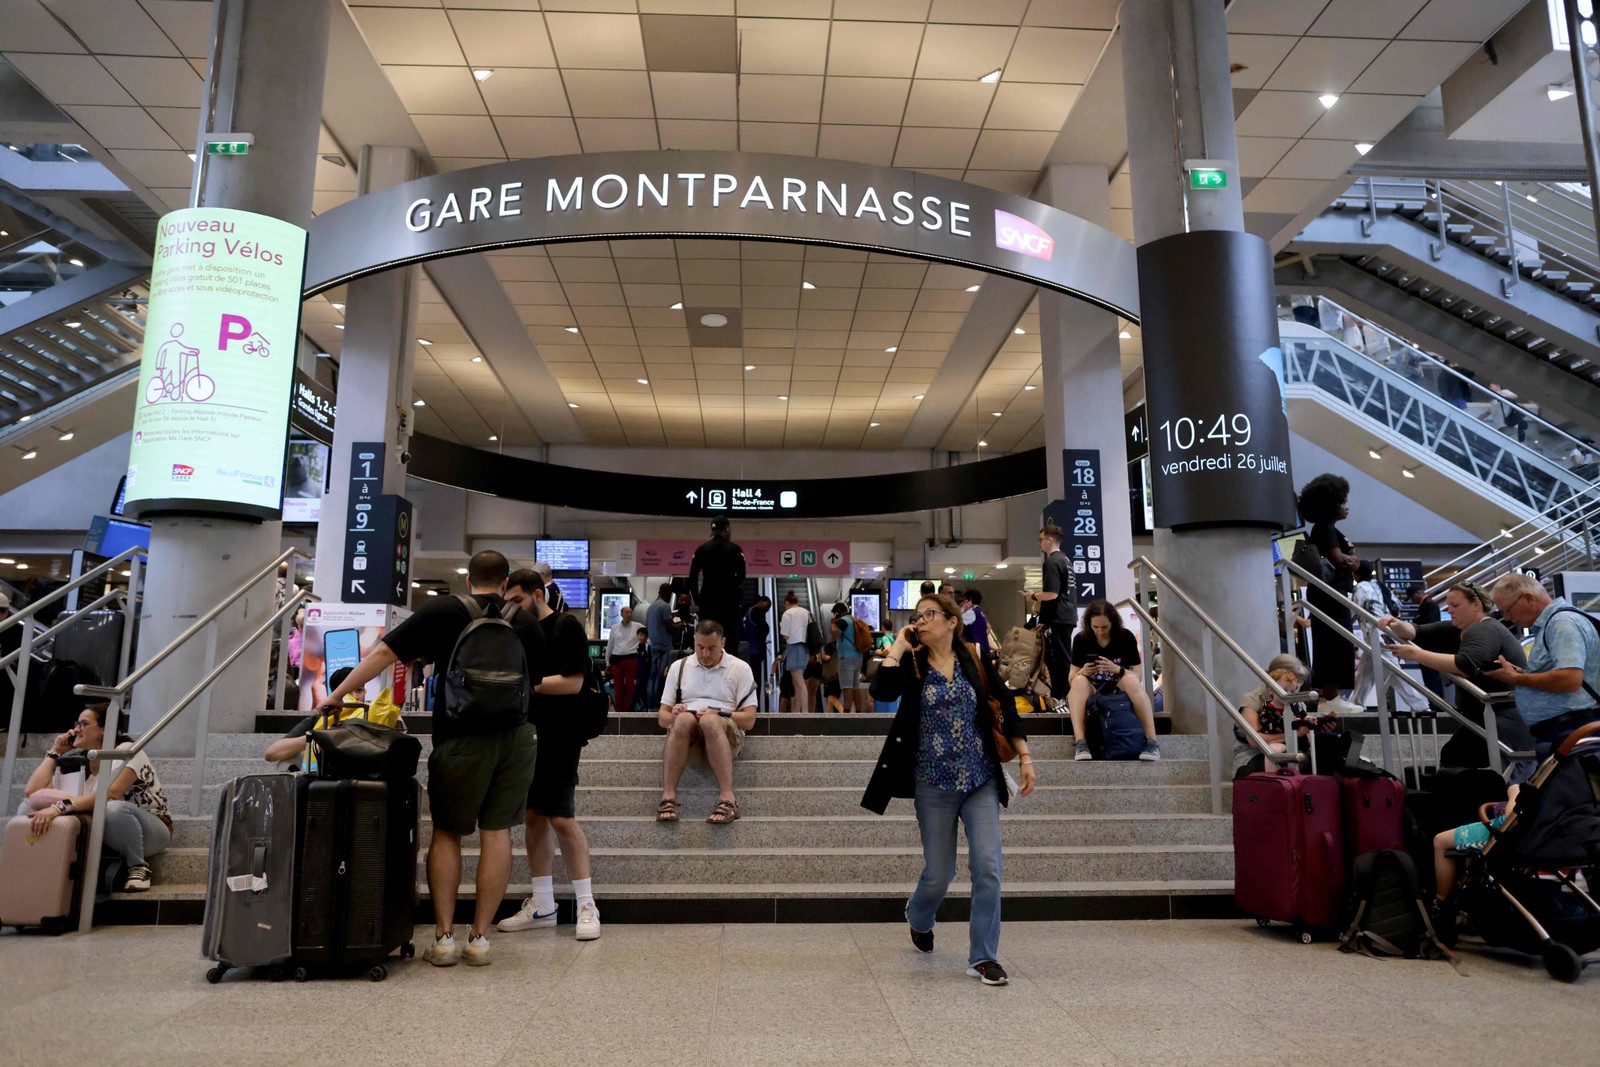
(227, 148)
(1203, 178)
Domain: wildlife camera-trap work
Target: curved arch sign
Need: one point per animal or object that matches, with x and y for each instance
(730, 195)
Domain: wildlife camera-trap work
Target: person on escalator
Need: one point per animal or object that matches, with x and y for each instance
(716, 580)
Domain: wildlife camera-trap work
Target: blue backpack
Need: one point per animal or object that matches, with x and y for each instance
(1113, 729)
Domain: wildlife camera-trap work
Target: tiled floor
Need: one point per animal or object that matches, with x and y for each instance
(1168, 993)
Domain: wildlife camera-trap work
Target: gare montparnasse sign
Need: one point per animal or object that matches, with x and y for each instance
(722, 195)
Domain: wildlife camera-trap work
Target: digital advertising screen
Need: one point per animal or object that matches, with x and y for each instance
(563, 555)
(904, 593)
(305, 480)
(866, 607)
(211, 414)
(611, 605)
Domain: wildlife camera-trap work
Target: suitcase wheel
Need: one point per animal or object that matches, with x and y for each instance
(214, 975)
(301, 974)
(378, 973)
(1305, 937)
(1263, 923)
(276, 973)
(408, 951)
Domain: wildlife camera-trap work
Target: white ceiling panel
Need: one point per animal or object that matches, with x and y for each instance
(69, 79)
(1413, 67)
(156, 82)
(436, 90)
(526, 138)
(1453, 20)
(29, 28)
(686, 95)
(458, 135)
(1259, 54)
(610, 94)
(409, 35)
(1325, 64)
(1362, 117)
(1366, 18)
(1024, 106)
(943, 103)
(1274, 16)
(123, 127)
(780, 98)
(783, 46)
(921, 147)
(596, 41)
(966, 53)
(524, 91)
(874, 50)
(1051, 55)
(1279, 114)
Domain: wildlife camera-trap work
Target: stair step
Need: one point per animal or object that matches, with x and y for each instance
(1480, 241)
(1578, 288)
(1552, 275)
(1458, 229)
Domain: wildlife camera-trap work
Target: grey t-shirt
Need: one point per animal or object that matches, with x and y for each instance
(1476, 649)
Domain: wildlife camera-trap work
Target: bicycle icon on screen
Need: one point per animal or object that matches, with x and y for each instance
(177, 373)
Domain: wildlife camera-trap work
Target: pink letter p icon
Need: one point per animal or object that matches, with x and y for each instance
(234, 328)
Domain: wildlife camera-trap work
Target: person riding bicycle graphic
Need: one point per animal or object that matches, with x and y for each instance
(177, 375)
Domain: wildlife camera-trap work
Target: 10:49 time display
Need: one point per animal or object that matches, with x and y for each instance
(1184, 433)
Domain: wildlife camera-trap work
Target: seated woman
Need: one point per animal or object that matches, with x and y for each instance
(1264, 710)
(137, 823)
(1103, 653)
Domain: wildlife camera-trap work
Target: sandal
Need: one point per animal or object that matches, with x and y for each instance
(725, 812)
(667, 810)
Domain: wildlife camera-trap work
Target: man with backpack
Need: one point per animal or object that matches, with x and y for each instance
(716, 580)
(483, 745)
(852, 642)
(1557, 692)
(559, 677)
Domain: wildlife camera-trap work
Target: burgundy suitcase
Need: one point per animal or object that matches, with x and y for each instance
(1288, 849)
(41, 877)
(1374, 815)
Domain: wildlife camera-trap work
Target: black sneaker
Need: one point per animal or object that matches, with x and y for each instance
(988, 972)
(923, 939)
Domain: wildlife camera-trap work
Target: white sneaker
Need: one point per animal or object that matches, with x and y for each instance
(478, 952)
(445, 952)
(588, 922)
(528, 917)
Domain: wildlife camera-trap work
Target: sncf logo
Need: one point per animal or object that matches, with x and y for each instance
(182, 472)
(1019, 235)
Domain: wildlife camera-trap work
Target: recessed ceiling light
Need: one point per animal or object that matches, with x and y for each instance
(1557, 92)
(22, 566)
(807, 285)
(1001, 566)
(892, 348)
(1328, 100)
(494, 437)
(67, 436)
(713, 319)
(1125, 335)
(338, 326)
(191, 156)
(127, 574)
(423, 341)
(1503, 533)
(1029, 388)
(1409, 472)
(72, 324)
(1538, 550)
(990, 78)
(642, 381)
(572, 329)
(337, 306)
(461, 570)
(76, 262)
(1019, 329)
(973, 288)
(433, 592)
(1377, 453)
(570, 404)
(25, 418)
(419, 403)
(919, 396)
(997, 414)
(783, 396)
(676, 307)
(477, 359)
(483, 74)
(878, 569)
(1533, 198)
(949, 570)
(749, 366)
(416, 585)
(33, 454)
(7, 561)
(983, 444)
(870, 425)
(1363, 147)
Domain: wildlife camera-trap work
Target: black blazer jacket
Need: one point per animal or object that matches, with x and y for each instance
(896, 772)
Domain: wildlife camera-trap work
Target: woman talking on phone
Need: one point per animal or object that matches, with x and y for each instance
(941, 752)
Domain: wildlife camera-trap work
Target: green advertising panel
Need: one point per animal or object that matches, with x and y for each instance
(212, 415)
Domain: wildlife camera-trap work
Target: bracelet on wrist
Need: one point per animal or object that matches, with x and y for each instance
(52, 755)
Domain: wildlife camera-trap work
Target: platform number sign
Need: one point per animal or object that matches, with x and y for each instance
(377, 554)
(1082, 522)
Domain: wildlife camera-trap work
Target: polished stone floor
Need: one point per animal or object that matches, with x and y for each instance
(1168, 993)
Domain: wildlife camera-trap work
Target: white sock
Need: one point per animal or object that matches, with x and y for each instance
(544, 893)
(583, 890)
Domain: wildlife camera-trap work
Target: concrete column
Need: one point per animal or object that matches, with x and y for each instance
(272, 86)
(376, 365)
(1083, 377)
(1180, 106)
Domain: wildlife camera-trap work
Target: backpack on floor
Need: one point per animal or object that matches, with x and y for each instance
(1391, 915)
(1114, 730)
(486, 688)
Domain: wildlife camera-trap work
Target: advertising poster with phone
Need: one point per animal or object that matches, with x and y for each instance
(211, 415)
(340, 635)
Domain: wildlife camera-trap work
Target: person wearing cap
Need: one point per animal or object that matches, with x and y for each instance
(716, 581)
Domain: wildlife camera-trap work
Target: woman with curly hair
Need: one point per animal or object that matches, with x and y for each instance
(1322, 503)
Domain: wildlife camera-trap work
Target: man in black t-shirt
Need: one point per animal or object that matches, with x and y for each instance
(716, 580)
(1057, 612)
(551, 809)
(476, 781)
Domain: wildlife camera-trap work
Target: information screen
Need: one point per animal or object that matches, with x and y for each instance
(904, 593)
(305, 480)
(121, 536)
(865, 606)
(575, 591)
(212, 410)
(563, 556)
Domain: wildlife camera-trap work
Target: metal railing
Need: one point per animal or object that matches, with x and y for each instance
(1144, 571)
(1408, 409)
(115, 696)
(20, 661)
(1385, 672)
(1567, 538)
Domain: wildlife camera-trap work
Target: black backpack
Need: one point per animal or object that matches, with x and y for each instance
(594, 707)
(814, 641)
(1391, 916)
(486, 688)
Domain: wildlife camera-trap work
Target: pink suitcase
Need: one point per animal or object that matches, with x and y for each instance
(1373, 815)
(41, 878)
(1288, 849)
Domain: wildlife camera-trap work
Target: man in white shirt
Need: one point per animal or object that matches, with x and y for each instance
(792, 628)
(622, 659)
(712, 703)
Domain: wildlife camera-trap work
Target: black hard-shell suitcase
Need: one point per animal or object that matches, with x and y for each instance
(250, 888)
(357, 894)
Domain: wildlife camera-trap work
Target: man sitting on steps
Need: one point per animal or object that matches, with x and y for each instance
(713, 702)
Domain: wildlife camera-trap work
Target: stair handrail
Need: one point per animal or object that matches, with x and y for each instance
(1144, 567)
(117, 694)
(32, 635)
(1492, 555)
(1570, 241)
(1440, 365)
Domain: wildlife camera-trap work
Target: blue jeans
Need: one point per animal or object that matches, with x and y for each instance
(659, 658)
(133, 834)
(937, 813)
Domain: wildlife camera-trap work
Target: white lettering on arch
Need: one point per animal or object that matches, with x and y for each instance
(600, 201)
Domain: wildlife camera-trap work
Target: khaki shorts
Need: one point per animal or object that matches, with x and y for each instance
(481, 780)
(697, 742)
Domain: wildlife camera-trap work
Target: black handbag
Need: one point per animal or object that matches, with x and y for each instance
(362, 750)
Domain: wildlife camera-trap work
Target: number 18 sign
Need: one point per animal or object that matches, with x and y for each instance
(1082, 522)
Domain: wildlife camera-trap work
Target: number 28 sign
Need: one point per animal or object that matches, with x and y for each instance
(1082, 521)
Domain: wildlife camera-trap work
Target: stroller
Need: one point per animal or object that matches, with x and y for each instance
(1519, 892)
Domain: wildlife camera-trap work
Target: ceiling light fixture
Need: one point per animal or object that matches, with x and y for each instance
(919, 396)
(477, 359)
(419, 403)
(191, 157)
(1327, 100)
(1124, 335)
(127, 574)
(949, 570)
(76, 262)
(1001, 566)
(1019, 330)
(1532, 198)
(22, 566)
(424, 341)
(642, 381)
(433, 592)
(1557, 92)
(997, 414)
(31, 454)
(990, 78)
(676, 307)
(483, 74)
(892, 348)
(713, 319)
(973, 288)
(572, 329)
(461, 570)
(494, 437)
(66, 435)
(749, 366)
(338, 326)
(1362, 148)
(983, 444)
(1377, 453)
(25, 418)
(1029, 388)
(872, 425)
(1409, 472)
(337, 306)
(416, 585)
(7, 561)
(570, 404)
(783, 396)
(807, 285)
(72, 324)
(878, 569)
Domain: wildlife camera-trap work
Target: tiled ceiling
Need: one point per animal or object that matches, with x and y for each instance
(887, 82)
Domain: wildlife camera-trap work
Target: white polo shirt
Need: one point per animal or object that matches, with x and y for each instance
(728, 686)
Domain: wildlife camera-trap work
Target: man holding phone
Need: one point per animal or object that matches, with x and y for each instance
(707, 703)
